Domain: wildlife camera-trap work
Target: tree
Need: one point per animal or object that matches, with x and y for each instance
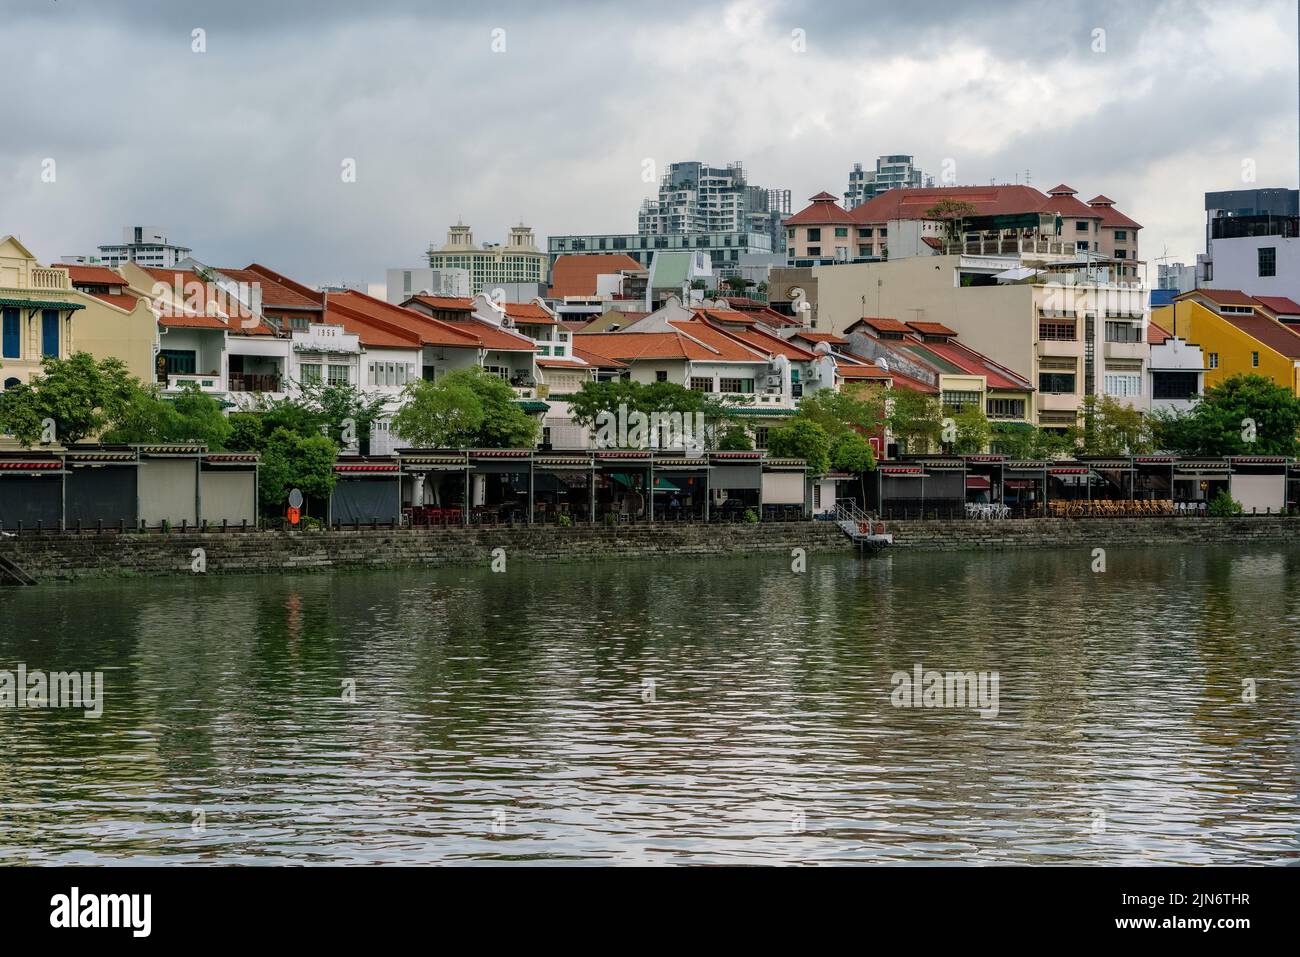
(850, 452)
(289, 461)
(838, 412)
(1110, 428)
(734, 439)
(347, 414)
(468, 408)
(972, 430)
(802, 439)
(193, 416)
(80, 395)
(915, 419)
(737, 284)
(596, 398)
(952, 213)
(1243, 415)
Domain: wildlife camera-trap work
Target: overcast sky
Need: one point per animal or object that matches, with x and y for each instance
(239, 151)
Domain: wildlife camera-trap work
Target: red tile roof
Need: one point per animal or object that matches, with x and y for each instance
(1277, 336)
(931, 329)
(277, 291)
(551, 362)
(407, 324)
(191, 321)
(121, 300)
(822, 337)
(996, 375)
(824, 209)
(757, 338)
(1223, 297)
(529, 313)
(847, 370)
(902, 381)
(988, 201)
(447, 303)
(1279, 305)
(1062, 190)
(722, 345)
(1156, 335)
(605, 362)
(1101, 200)
(371, 332)
(91, 275)
(631, 346)
(576, 275)
(883, 324)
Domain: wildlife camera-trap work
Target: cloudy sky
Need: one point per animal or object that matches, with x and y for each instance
(547, 112)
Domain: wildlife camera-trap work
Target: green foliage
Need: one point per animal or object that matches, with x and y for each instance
(1228, 416)
(338, 404)
(735, 439)
(289, 461)
(850, 452)
(193, 416)
(666, 398)
(750, 517)
(916, 420)
(861, 410)
(81, 395)
(1110, 428)
(973, 430)
(952, 213)
(1224, 505)
(802, 439)
(468, 408)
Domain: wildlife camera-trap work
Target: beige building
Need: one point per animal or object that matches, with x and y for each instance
(517, 261)
(43, 314)
(1070, 330)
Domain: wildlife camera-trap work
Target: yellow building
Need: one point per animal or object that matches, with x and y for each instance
(1235, 336)
(36, 309)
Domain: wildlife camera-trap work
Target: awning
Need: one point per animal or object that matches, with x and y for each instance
(1015, 275)
(532, 405)
(978, 482)
(42, 304)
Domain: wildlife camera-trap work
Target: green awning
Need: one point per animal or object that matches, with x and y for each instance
(42, 304)
(756, 410)
(532, 405)
(661, 484)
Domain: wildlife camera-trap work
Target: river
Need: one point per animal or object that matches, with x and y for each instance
(705, 711)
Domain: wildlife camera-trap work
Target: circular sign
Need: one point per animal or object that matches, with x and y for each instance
(295, 499)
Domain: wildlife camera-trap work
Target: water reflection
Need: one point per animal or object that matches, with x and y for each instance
(508, 717)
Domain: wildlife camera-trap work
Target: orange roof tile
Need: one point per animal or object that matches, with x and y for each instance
(1279, 305)
(822, 337)
(91, 275)
(823, 209)
(846, 370)
(1156, 335)
(1223, 297)
(883, 324)
(931, 329)
(451, 303)
(607, 362)
(529, 313)
(576, 275)
(400, 321)
(277, 291)
(121, 300)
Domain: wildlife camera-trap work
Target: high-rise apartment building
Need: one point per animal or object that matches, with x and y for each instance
(146, 246)
(695, 198)
(892, 171)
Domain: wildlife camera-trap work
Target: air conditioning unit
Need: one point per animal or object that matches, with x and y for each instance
(774, 380)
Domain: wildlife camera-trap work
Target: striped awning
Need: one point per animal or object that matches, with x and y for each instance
(41, 304)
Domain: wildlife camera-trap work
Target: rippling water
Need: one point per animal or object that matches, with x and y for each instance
(697, 712)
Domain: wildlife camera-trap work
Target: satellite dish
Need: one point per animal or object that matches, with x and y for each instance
(295, 499)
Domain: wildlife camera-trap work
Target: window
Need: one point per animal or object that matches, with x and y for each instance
(957, 399)
(1123, 332)
(1006, 408)
(1080, 225)
(1173, 385)
(1082, 244)
(735, 386)
(1122, 385)
(1121, 254)
(1214, 360)
(50, 332)
(841, 232)
(1254, 360)
(1056, 382)
(10, 334)
(760, 438)
(309, 373)
(406, 281)
(865, 233)
(1121, 235)
(11, 383)
(701, 384)
(661, 375)
(1061, 331)
(814, 235)
(1268, 260)
(814, 250)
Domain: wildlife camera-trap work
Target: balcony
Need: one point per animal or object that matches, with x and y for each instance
(1057, 402)
(1065, 348)
(1009, 246)
(1125, 350)
(210, 384)
(255, 382)
(42, 277)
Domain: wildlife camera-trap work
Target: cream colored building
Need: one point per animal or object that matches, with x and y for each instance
(1070, 329)
(517, 261)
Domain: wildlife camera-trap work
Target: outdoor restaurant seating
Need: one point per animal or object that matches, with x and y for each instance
(1120, 508)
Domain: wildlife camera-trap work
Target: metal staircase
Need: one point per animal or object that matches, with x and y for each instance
(858, 525)
(12, 574)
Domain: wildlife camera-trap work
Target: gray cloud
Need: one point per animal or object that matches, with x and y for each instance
(238, 150)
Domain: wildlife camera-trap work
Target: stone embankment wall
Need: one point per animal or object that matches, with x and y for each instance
(1072, 532)
(70, 556)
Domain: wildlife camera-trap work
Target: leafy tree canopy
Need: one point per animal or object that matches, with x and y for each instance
(468, 408)
(79, 394)
(802, 439)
